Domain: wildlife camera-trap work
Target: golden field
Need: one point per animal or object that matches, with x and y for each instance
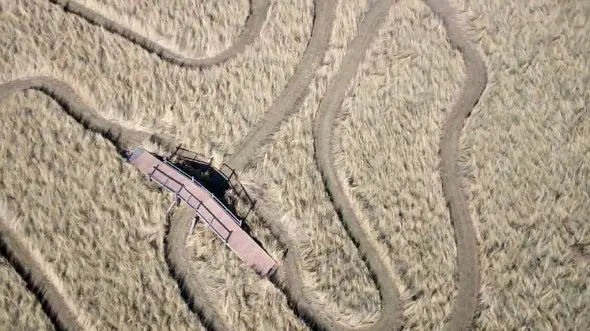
(416, 164)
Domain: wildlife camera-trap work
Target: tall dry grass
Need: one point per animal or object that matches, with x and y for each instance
(387, 151)
(89, 216)
(243, 300)
(528, 141)
(20, 308)
(200, 29)
(40, 277)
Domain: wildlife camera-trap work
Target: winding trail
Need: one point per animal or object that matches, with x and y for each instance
(59, 307)
(122, 138)
(291, 98)
(288, 276)
(191, 287)
(323, 134)
(465, 305)
(251, 30)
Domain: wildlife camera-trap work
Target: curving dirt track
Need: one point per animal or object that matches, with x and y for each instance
(294, 93)
(254, 23)
(466, 301)
(323, 126)
(61, 308)
(179, 227)
(289, 273)
(74, 105)
(465, 304)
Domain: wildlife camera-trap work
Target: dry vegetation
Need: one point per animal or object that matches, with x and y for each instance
(240, 299)
(383, 212)
(529, 143)
(206, 29)
(20, 308)
(397, 108)
(287, 178)
(106, 251)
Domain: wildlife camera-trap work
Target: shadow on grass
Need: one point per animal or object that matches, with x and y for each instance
(27, 277)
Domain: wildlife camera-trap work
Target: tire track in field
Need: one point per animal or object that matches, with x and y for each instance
(296, 90)
(465, 305)
(123, 139)
(288, 276)
(251, 30)
(57, 305)
(285, 104)
(179, 224)
(323, 128)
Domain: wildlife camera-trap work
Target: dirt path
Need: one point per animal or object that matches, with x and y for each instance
(296, 90)
(33, 270)
(323, 134)
(252, 28)
(74, 106)
(193, 291)
(465, 305)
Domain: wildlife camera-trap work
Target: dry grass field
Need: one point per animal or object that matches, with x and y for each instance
(20, 308)
(530, 136)
(416, 164)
